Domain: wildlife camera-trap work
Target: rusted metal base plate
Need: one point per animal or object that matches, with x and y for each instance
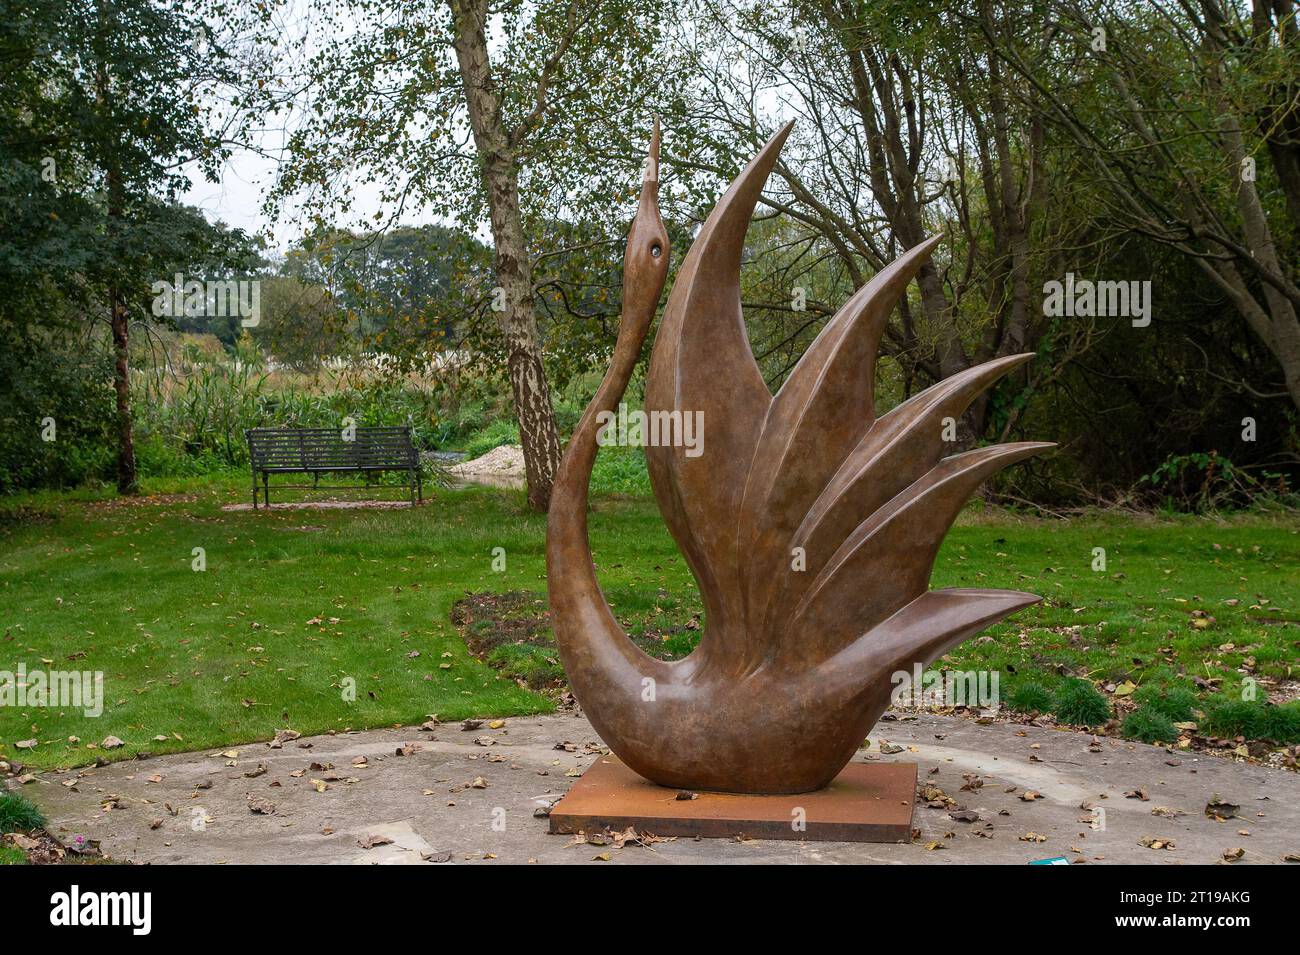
(867, 802)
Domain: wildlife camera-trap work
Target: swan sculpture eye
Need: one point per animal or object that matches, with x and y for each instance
(656, 250)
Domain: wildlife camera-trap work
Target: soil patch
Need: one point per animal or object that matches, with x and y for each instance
(511, 632)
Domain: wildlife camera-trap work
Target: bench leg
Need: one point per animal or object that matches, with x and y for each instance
(266, 490)
(255, 490)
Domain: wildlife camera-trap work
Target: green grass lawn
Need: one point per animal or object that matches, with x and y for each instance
(294, 605)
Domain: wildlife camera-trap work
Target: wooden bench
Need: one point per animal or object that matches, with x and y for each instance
(318, 451)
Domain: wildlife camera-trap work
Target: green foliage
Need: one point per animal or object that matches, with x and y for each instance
(1281, 723)
(196, 425)
(537, 666)
(1029, 697)
(621, 470)
(12, 855)
(1208, 481)
(1078, 703)
(18, 814)
(495, 435)
(1229, 716)
(1174, 702)
(403, 292)
(1149, 725)
(53, 385)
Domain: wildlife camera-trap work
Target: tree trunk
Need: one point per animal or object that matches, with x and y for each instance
(126, 476)
(119, 317)
(516, 318)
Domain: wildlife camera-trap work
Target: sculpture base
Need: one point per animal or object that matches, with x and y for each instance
(866, 802)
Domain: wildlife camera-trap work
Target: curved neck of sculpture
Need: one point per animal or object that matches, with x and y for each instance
(572, 483)
(591, 641)
(596, 651)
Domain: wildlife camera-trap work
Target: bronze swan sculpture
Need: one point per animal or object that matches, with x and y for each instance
(810, 524)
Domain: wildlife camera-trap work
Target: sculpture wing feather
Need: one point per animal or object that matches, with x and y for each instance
(822, 411)
(898, 449)
(921, 632)
(702, 362)
(865, 581)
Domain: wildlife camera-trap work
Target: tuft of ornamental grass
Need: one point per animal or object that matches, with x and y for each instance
(17, 814)
(1282, 723)
(1175, 703)
(1226, 716)
(1252, 719)
(1078, 703)
(1149, 725)
(1030, 698)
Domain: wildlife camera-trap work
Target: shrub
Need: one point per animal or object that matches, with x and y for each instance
(1175, 703)
(64, 382)
(1149, 725)
(1077, 702)
(1030, 698)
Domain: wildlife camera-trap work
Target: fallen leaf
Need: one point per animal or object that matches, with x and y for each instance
(1220, 810)
(1151, 842)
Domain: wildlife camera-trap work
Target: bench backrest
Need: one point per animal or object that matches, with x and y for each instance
(308, 448)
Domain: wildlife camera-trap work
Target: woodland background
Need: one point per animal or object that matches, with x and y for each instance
(1118, 141)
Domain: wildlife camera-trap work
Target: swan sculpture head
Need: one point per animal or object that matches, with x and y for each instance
(810, 523)
(645, 261)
